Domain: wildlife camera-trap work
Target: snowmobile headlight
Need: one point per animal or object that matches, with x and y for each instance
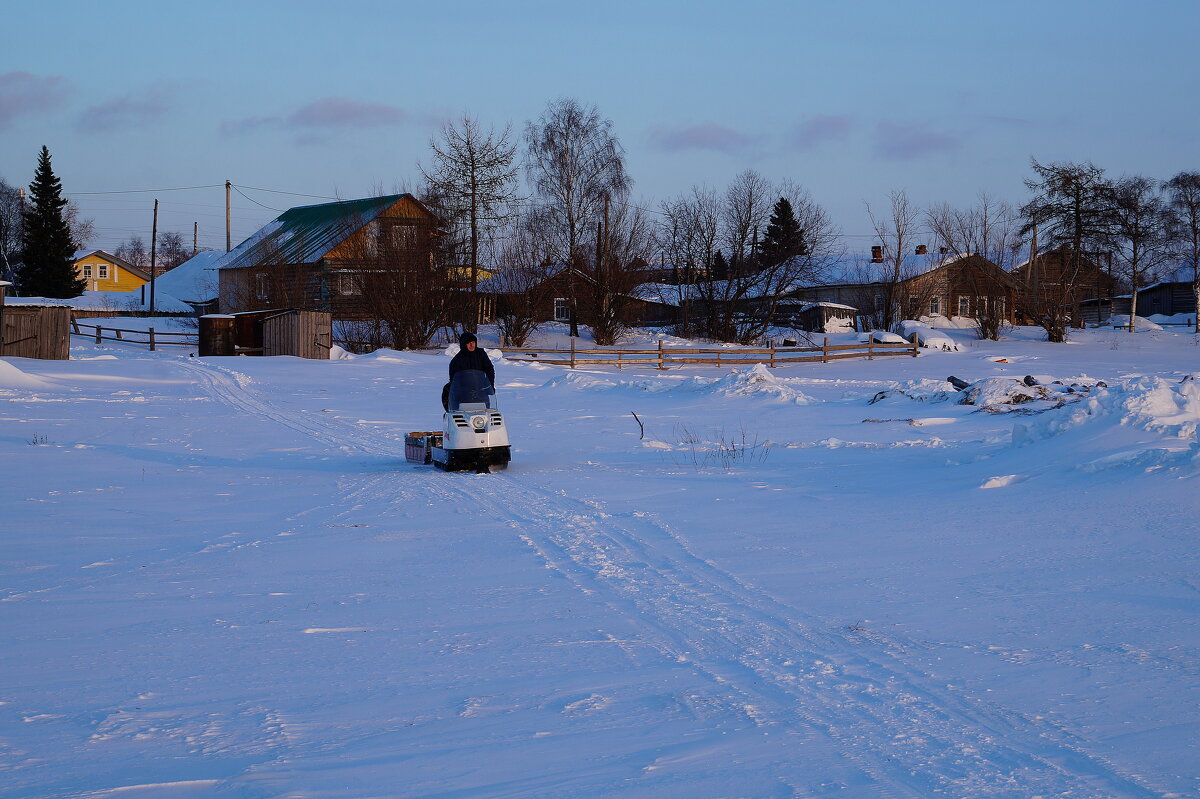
(479, 422)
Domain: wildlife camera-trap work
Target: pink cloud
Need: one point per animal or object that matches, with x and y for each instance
(903, 142)
(324, 114)
(342, 112)
(820, 129)
(132, 110)
(706, 136)
(22, 94)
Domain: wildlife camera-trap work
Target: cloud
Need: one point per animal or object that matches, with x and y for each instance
(342, 112)
(22, 94)
(818, 130)
(706, 136)
(129, 111)
(327, 113)
(903, 142)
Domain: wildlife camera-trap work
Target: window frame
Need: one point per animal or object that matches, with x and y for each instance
(565, 304)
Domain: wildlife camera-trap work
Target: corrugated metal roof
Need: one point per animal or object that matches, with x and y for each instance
(304, 234)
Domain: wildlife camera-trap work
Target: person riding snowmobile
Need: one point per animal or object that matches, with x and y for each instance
(469, 356)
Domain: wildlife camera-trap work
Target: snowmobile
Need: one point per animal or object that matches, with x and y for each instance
(473, 434)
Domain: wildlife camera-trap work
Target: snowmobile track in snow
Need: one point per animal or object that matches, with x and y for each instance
(908, 733)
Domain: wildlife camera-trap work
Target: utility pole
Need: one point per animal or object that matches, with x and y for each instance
(195, 237)
(153, 253)
(228, 243)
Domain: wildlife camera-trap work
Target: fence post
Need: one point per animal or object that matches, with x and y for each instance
(97, 334)
(871, 345)
(118, 332)
(772, 343)
(916, 345)
(825, 351)
(618, 360)
(75, 325)
(152, 339)
(572, 352)
(661, 363)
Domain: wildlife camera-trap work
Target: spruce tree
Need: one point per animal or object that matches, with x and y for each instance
(720, 267)
(784, 237)
(49, 253)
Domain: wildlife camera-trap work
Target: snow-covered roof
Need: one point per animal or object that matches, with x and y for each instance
(108, 256)
(110, 301)
(194, 280)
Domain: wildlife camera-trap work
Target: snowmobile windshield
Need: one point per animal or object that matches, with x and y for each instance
(470, 390)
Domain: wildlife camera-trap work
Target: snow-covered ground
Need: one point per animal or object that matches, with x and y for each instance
(219, 577)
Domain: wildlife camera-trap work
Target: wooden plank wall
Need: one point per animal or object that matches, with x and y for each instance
(305, 334)
(37, 333)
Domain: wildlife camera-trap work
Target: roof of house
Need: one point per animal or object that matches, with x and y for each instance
(194, 280)
(304, 234)
(856, 270)
(109, 301)
(108, 256)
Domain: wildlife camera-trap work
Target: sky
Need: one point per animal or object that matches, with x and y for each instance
(853, 101)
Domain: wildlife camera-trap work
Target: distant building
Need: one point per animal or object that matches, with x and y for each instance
(104, 271)
(927, 285)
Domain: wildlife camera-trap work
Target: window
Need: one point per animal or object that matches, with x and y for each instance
(964, 306)
(349, 284)
(935, 306)
(261, 290)
(102, 271)
(87, 271)
(562, 309)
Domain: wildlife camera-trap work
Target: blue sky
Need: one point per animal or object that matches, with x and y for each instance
(852, 100)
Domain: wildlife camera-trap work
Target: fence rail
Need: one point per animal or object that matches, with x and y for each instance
(664, 357)
(150, 337)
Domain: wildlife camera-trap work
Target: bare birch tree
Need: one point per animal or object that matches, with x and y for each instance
(1137, 234)
(990, 229)
(1183, 191)
(474, 173)
(10, 230)
(897, 232)
(574, 161)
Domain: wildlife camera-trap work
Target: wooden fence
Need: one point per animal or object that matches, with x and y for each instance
(152, 338)
(664, 357)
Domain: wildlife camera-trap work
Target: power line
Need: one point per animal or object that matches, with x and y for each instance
(143, 191)
(277, 191)
(256, 202)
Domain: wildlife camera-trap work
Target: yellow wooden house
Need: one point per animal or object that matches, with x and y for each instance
(104, 271)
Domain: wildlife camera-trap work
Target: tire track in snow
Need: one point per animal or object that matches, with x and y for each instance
(775, 665)
(912, 736)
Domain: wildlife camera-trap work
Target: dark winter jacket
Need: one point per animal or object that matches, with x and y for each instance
(466, 359)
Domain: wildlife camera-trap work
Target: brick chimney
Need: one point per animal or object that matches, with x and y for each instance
(921, 249)
(877, 254)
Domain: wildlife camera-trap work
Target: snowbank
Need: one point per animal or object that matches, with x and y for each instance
(756, 381)
(12, 377)
(926, 336)
(881, 337)
(1122, 320)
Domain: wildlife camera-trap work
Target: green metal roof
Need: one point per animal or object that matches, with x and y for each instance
(303, 235)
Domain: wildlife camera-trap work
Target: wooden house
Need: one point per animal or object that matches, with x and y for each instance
(331, 257)
(928, 285)
(1171, 300)
(550, 297)
(1054, 279)
(104, 271)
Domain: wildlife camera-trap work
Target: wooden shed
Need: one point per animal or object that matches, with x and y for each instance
(35, 331)
(303, 334)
